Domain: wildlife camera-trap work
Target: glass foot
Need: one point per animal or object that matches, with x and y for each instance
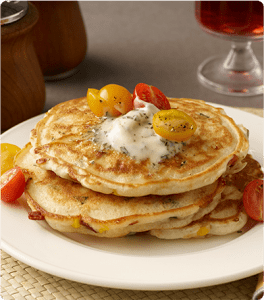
(240, 74)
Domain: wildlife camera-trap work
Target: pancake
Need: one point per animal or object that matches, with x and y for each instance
(67, 206)
(65, 141)
(228, 217)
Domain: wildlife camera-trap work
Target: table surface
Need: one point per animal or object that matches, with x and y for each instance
(155, 42)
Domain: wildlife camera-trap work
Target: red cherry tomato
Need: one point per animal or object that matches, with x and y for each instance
(12, 184)
(151, 94)
(253, 199)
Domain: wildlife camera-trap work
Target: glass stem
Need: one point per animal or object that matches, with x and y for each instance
(241, 58)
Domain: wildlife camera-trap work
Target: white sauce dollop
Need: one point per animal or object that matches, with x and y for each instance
(133, 134)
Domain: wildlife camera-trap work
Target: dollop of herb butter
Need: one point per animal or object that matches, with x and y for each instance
(133, 135)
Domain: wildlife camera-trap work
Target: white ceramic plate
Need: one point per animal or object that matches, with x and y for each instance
(135, 262)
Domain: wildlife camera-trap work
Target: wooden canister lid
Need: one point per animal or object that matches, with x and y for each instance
(12, 29)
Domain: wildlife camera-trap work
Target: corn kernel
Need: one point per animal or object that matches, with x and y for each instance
(76, 223)
(203, 231)
(104, 228)
(115, 193)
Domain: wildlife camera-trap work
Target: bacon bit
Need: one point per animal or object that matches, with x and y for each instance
(232, 162)
(36, 150)
(87, 225)
(41, 161)
(35, 215)
(133, 223)
(99, 154)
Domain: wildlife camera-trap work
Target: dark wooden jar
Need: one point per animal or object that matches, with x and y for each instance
(59, 38)
(22, 82)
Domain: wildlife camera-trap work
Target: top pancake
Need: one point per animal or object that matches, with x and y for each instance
(62, 142)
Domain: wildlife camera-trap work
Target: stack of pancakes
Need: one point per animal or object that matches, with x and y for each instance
(76, 185)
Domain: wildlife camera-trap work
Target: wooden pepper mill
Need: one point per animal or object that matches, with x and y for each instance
(59, 38)
(22, 82)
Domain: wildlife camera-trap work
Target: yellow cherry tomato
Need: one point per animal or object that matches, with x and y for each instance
(174, 125)
(8, 152)
(94, 103)
(112, 100)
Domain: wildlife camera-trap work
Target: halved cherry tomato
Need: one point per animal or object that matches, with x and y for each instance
(12, 184)
(8, 152)
(113, 100)
(174, 125)
(253, 199)
(151, 94)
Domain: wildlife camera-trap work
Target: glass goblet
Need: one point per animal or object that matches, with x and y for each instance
(241, 22)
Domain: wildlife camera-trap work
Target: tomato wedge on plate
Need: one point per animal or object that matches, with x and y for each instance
(253, 199)
(150, 94)
(8, 152)
(12, 184)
